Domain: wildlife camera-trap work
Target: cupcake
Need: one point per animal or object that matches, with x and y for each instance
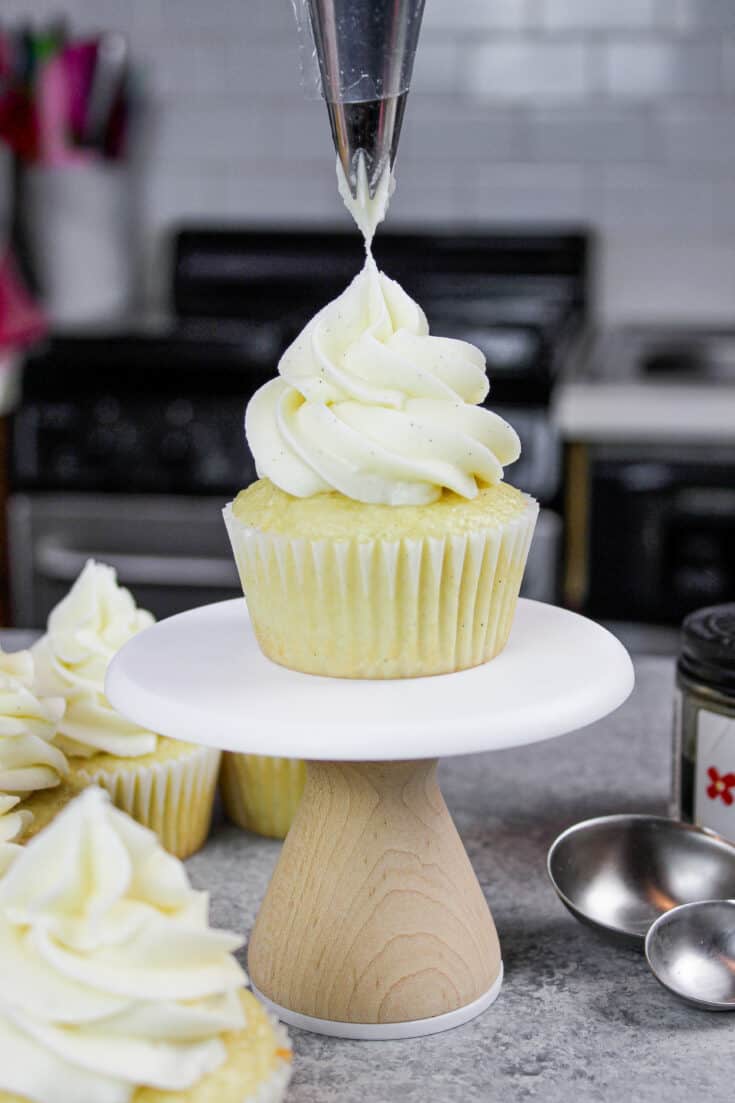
(261, 794)
(33, 770)
(115, 988)
(380, 540)
(166, 785)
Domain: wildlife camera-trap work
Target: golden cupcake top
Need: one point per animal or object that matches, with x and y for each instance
(113, 979)
(334, 516)
(84, 632)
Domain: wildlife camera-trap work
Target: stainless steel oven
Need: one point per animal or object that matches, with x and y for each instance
(172, 552)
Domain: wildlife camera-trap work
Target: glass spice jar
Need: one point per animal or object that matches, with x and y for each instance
(704, 721)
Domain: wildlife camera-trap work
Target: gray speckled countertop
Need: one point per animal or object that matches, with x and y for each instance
(577, 1020)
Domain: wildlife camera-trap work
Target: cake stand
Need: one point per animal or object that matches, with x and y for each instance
(374, 925)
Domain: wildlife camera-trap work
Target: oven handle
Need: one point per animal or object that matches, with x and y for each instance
(63, 564)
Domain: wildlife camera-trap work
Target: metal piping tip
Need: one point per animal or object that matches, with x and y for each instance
(370, 126)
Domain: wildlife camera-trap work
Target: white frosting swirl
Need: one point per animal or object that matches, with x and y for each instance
(84, 631)
(370, 405)
(13, 824)
(28, 724)
(111, 976)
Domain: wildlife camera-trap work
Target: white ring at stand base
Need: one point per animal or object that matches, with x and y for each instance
(385, 1032)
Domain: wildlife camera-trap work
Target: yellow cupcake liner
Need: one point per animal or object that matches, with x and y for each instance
(261, 794)
(403, 608)
(173, 796)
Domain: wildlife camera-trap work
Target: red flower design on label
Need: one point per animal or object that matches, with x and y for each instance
(722, 786)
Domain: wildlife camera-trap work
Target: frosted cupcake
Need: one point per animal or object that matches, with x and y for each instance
(115, 988)
(32, 769)
(380, 540)
(166, 785)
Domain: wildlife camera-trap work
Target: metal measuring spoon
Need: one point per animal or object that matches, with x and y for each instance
(691, 950)
(620, 873)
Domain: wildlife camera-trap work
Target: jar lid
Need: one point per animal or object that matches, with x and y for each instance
(708, 647)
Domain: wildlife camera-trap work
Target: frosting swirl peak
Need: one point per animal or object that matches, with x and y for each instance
(84, 631)
(369, 404)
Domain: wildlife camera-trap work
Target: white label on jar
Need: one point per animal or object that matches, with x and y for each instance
(714, 783)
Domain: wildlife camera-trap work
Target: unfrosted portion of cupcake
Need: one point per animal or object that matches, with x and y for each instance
(32, 768)
(380, 540)
(163, 783)
(115, 987)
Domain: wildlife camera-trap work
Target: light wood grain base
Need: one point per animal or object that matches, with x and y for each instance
(373, 914)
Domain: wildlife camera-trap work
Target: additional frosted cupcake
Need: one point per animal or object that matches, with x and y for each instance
(166, 785)
(115, 988)
(32, 769)
(261, 794)
(380, 540)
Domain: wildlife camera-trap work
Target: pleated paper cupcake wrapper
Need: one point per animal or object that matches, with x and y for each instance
(383, 609)
(261, 794)
(173, 797)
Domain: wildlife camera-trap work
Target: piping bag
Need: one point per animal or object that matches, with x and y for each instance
(365, 51)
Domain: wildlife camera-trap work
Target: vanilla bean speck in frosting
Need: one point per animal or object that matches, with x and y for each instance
(112, 977)
(28, 724)
(84, 632)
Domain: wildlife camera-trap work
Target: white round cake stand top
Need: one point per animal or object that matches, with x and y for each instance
(201, 677)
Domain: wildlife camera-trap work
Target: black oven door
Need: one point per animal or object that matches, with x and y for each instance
(662, 533)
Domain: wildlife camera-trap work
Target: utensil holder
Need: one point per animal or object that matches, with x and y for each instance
(80, 229)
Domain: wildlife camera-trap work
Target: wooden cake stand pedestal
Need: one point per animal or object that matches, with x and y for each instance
(374, 925)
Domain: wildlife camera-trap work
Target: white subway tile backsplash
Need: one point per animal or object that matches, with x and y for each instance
(527, 193)
(527, 71)
(588, 134)
(296, 135)
(598, 14)
(436, 130)
(711, 15)
(699, 135)
(655, 70)
(197, 135)
(436, 66)
(271, 194)
(456, 16)
(654, 199)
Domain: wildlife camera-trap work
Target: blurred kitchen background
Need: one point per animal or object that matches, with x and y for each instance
(565, 200)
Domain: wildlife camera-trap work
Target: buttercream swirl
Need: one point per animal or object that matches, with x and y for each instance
(84, 632)
(28, 724)
(369, 404)
(111, 976)
(13, 823)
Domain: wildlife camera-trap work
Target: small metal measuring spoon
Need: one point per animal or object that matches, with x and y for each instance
(691, 951)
